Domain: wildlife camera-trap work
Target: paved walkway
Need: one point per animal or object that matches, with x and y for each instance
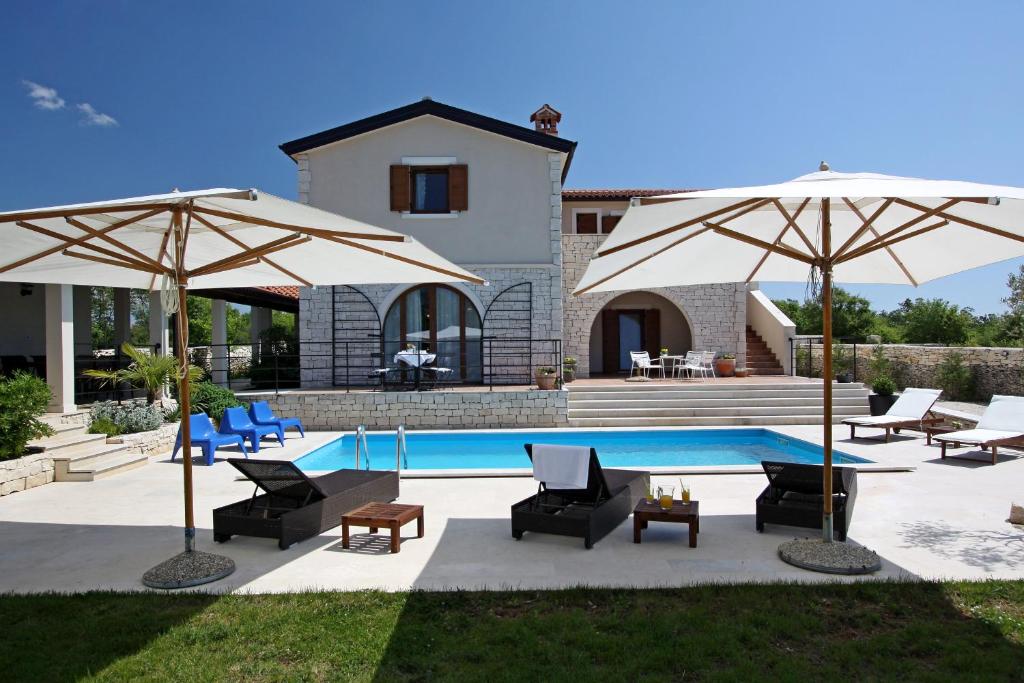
(943, 520)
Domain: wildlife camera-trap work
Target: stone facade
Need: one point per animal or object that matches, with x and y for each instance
(716, 314)
(994, 370)
(25, 472)
(339, 410)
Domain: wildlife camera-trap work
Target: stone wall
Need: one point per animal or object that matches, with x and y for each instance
(159, 440)
(25, 472)
(716, 314)
(995, 370)
(338, 410)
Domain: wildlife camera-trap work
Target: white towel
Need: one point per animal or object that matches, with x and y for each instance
(561, 467)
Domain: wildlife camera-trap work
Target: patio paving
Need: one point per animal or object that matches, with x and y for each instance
(944, 519)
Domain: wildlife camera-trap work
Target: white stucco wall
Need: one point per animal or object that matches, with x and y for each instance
(24, 328)
(510, 189)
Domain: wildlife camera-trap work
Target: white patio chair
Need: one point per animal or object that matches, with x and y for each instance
(692, 364)
(708, 361)
(642, 363)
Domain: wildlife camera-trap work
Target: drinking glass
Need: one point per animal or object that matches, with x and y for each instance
(686, 495)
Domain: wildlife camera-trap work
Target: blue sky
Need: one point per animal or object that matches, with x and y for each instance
(680, 94)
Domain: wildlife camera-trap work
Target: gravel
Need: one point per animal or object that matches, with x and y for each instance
(831, 558)
(189, 569)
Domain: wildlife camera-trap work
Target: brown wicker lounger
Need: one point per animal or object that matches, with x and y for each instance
(589, 513)
(295, 507)
(794, 496)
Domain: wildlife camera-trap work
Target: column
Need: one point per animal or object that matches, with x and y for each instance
(219, 340)
(159, 331)
(259, 320)
(122, 316)
(60, 350)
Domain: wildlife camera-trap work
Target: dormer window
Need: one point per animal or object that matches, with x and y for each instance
(429, 189)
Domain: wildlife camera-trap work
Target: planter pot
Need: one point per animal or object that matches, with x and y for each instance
(725, 367)
(568, 375)
(545, 382)
(844, 378)
(880, 404)
(742, 372)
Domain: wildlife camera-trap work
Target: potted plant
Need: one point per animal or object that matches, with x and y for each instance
(568, 369)
(841, 365)
(664, 350)
(546, 377)
(725, 365)
(742, 372)
(884, 395)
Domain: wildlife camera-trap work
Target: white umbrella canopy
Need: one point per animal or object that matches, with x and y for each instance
(854, 227)
(201, 239)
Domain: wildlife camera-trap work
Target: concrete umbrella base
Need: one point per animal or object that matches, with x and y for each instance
(831, 558)
(187, 569)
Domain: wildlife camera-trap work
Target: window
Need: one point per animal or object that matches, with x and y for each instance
(440, 320)
(429, 190)
(609, 222)
(586, 223)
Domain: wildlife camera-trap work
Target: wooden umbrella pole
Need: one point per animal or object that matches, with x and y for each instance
(826, 372)
(186, 410)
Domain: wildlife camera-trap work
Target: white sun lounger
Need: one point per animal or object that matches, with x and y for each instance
(910, 411)
(1002, 424)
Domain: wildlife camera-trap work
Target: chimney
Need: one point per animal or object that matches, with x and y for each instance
(545, 120)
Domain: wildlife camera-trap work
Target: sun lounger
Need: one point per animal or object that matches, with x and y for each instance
(794, 496)
(293, 506)
(1002, 424)
(910, 411)
(236, 421)
(261, 414)
(589, 513)
(203, 434)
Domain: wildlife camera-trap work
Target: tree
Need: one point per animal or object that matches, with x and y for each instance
(851, 315)
(934, 321)
(147, 371)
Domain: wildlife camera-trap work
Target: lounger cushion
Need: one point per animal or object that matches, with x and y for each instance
(877, 420)
(978, 435)
(913, 403)
(1005, 414)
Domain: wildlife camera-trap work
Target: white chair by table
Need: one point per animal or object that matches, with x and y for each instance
(642, 363)
(693, 364)
(708, 358)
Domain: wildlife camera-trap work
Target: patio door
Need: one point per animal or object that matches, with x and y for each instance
(625, 330)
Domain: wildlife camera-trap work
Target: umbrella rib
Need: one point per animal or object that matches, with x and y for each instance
(249, 254)
(778, 249)
(869, 225)
(875, 246)
(749, 204)
(150, 209)
(406, 259)
(239, 243)
(791, 220)
(130, 265)
(778, 239)
(72, 242)
(927, 213)
(966, 221)
(641, 260)
(94, 247)
(163, 250)
(110, 240)
(866, 224)
(315, 232)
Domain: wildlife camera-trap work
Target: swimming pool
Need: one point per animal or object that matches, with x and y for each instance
(503, 450)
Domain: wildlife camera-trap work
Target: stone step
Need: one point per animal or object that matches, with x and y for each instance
(689, 394)
(731, 421)
(613, 404)
(84, 457)
(69, 440)
(729, 411)
(106, 466)
(695, 385)
(767, 371)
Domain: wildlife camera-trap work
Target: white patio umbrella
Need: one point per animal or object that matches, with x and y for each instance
(852, 227)
(202, 239)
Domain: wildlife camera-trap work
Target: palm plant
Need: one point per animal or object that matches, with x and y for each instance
(149, 371)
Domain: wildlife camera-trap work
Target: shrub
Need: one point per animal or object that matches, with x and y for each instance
(878, 365)
(104, 425)
(149, 371)
(883, 386)
(130, 418)
(954, 377)
(23, 398)
(211, 399)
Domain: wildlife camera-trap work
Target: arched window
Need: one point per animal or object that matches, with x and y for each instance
(441, 320)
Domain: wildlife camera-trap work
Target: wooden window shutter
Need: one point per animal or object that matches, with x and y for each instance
(608, 223)
(401, 199)
(652, 331)
(458, 187)
(610, 341)
(586, 224)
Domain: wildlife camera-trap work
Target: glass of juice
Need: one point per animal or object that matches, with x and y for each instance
(649, 495)
(686, 495)
(665, 497)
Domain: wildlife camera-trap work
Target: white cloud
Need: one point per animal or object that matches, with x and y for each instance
(93, 117)
(43, 97)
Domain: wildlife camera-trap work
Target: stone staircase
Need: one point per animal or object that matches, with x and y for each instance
(760, 359)
(79, 456)
(710, 404)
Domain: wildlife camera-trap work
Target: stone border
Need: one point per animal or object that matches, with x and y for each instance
(155, 441)
(26, 472)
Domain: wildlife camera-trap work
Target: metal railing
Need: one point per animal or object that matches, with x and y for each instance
(802, 360)
(401, 450)
(362, 445)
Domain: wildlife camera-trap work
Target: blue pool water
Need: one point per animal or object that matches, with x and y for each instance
(504, 449)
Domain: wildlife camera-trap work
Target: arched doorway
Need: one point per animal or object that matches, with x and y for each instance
(636, 321)
(441, 320)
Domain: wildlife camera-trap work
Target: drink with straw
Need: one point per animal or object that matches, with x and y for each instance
(684, 492)
(649, 495)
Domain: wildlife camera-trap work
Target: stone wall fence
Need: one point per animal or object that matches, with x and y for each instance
(994, 370)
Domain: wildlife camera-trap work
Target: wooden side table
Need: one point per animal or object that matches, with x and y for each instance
(681, 513)
(383, 515)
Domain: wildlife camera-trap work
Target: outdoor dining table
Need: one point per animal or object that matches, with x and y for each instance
(415, 360)
(674, 359)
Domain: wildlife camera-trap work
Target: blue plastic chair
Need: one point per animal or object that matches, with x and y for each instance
(261, 414)
(236, 421)
(206, 437)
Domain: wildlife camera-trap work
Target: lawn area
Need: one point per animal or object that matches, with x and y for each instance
(869, 631)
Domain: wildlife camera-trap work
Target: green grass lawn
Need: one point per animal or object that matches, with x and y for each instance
(869, 631)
